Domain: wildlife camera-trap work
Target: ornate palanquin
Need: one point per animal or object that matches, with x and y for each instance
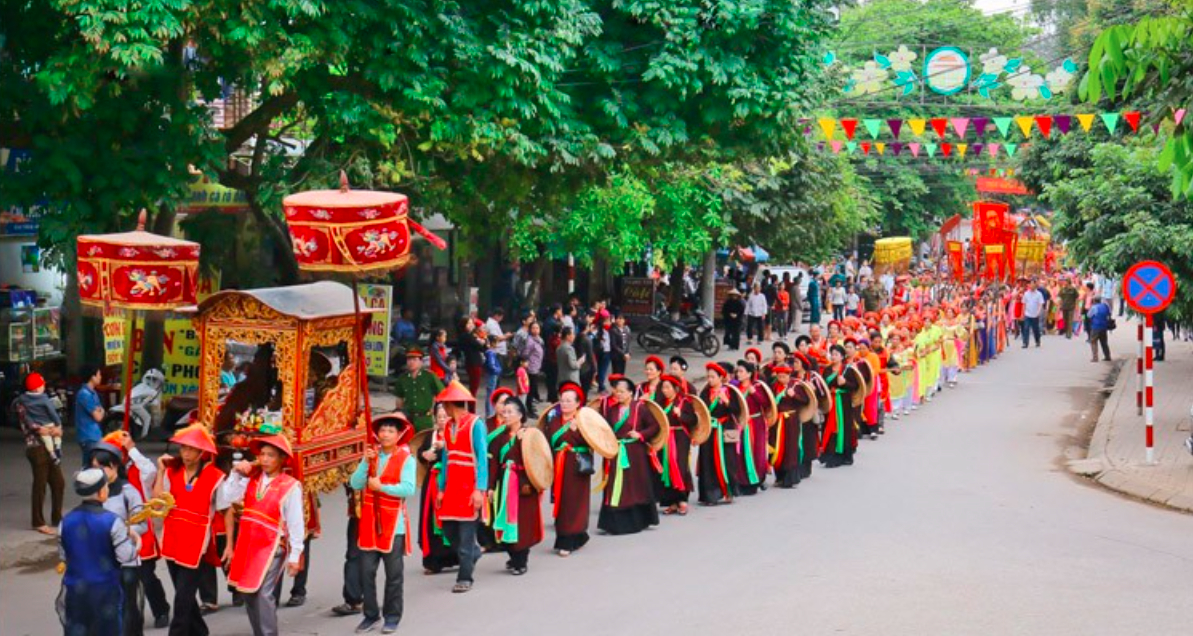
(329, 441)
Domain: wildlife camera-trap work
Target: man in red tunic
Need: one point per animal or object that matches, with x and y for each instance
(384, 529)
(271, 530)
(186, 531)
(463, 476)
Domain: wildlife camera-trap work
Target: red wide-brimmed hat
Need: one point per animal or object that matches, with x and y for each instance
(572, 386)
(277, 441)
(720, 370)
(455, 392)
(196, 436)
(655, 360)
(399, 421)
(779, 370)
(674, 381)
(756, 351)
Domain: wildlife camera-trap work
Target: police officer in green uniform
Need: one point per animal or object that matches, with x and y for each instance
(416, 390)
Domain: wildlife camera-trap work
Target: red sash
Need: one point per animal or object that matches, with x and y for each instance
(186, 532)
(260, 532)
(387, 508)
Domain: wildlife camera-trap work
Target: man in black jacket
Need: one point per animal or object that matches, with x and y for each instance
(731, 313)
(619, 344)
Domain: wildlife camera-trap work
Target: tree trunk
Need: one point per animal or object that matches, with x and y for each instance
(73, 329)
(708, 287)
(283, 253)
(536, 283)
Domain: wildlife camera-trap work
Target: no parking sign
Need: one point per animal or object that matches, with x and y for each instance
(1148, 287)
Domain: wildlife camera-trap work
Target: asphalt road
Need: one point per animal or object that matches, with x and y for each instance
(960, 520)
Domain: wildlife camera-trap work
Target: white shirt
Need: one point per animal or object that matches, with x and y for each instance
(865, 272)
(756, 305)
(836, 296)
(493, 328)
(851, 302)
(1033, 303)
(293, 523)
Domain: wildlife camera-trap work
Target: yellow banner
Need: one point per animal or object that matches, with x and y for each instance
(114, 328)
(1031, 250)
(380, 298)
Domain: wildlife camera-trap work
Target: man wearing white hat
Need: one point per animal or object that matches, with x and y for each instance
(95, 544)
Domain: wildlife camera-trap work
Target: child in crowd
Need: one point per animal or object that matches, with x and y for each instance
(523, 377)
(492, 372)
(42, 414)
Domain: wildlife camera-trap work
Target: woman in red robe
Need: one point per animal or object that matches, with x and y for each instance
(754, 463)
(574, 466)
(511, 487)
(629, 504)
(840, 427)
(437, 554)
(675, 479)
(716, 470)
(788, 440)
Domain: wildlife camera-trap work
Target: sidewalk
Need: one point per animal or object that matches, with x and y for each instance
(1117, 453)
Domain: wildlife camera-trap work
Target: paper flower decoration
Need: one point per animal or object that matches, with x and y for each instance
(868, 79)
(993, 62)
(902, 58)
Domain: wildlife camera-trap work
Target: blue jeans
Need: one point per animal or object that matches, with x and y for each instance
(603, 365)
(86, 448)
(490, 387)
(1031, 326)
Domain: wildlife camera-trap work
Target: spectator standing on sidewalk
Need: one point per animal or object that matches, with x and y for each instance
(755, 314)
(731, 315)
(1099, 327)
(37, 414)
(534, 350)
(586, 347)
(89, 412)
(619, 344)
(416, 389)
(795, 310)
(603, 342)
(1033, 308)
(493, 330)
(568, 361)
(473, 348)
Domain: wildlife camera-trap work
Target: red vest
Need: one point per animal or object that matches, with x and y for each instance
(149, 549)
(460, 471)
(259, 532)
(187, 529)
(387, 508)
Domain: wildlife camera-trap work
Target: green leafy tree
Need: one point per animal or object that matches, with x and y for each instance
(1113, 207)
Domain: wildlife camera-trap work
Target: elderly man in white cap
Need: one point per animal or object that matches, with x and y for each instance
(95, 544)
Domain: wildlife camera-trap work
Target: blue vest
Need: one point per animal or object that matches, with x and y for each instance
(87, 541)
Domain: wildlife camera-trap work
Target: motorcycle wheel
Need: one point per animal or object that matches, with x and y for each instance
(654, 340)
(642, 339)
(710, 345)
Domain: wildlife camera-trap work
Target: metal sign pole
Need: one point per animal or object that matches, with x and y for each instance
(1139, 375)
(1148, 397)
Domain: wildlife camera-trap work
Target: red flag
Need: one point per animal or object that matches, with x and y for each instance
(849, 125)
(940, 125)
(1132, 118)
(1045, 124)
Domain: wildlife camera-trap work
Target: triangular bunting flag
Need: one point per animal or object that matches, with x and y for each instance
(1086, 120)
(836, 147)
(1044, 122)
(1011, 148)
(1156, 127)
(872, 126)
(960, 125)
(992, 149)
(1132, 118)
(977, 149)
(820, 146)
(940, 125)
(1024, 123)
(880, 147)
(946, 149)
(917, 126)
(828, 125)
(850, 146)
(865, 147)
(979, 125)
(896, 147)
(1062, 123)
(931, 148)
(1178, 116)
(849, 126)
(961, 148)
(915, 149)
(1111, 121)
(895, 125)
(1003, 124)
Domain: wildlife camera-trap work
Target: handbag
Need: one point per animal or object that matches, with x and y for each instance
(733, 436)
(1112, 325)
(585, 463)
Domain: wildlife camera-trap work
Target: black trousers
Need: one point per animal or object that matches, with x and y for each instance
(208, 579)
(134, 602)
(754, 324)
(353, 574)
(619, 363)
(370, 560)
(45, 473)
(533, 396)
(519, 558)
(552, 382)
(187, 620)
(733, 334)
(154, 592)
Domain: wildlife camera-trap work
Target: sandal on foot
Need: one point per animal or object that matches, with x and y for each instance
(461, 587)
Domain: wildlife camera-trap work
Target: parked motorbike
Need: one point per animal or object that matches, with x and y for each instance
(146, 402)
(692, 332)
